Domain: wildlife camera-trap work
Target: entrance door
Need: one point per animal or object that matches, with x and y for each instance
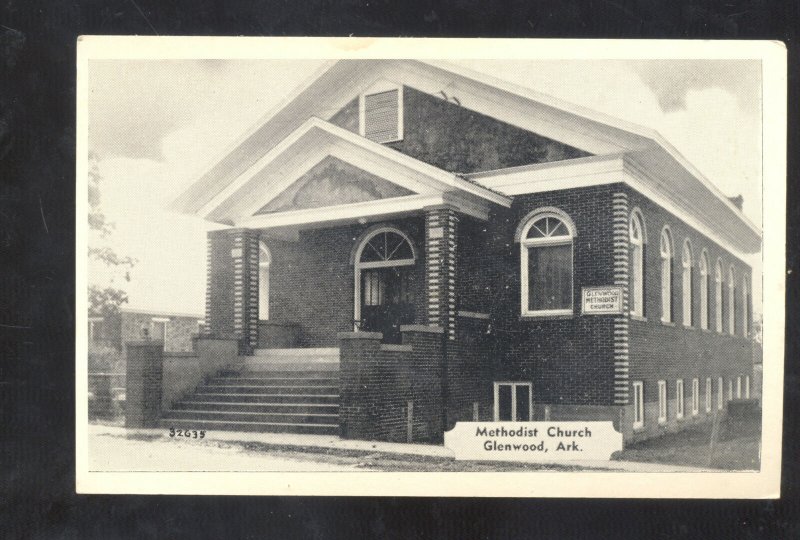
(387, 301)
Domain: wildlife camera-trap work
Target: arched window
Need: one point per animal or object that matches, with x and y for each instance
(264, 260)
(546, 263)
(637, 240)
(686, 283)
(704, 291)
(731, 302)
(380, 280)
(745, 306)
(718, 296)
(666, 276)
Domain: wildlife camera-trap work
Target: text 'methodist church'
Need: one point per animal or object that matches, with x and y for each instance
(411, 244)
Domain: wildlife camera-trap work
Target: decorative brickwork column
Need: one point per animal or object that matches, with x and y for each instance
(621, 215)
(232, 286)
(441, 227)
(144, 373)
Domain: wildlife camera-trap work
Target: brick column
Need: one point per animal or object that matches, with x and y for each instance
(143, 379)
(232, 286)
(441, 227)
(620, 217)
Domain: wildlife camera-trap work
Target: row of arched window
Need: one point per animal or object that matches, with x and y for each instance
(695, 278)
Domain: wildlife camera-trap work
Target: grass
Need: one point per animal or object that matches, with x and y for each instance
(737, 449)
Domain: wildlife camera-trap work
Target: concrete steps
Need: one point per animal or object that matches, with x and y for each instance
(275, 390)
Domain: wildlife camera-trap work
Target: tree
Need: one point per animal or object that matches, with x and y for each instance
(104, 300)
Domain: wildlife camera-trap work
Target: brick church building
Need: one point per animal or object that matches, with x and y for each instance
(412, 244)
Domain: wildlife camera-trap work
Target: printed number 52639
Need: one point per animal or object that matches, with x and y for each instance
(187, 433)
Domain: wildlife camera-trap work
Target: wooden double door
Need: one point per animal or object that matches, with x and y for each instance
(387, 300)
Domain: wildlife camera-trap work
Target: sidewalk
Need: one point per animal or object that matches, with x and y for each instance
(331, 444)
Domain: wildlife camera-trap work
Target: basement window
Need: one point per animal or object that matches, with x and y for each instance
(380, 114)
(512, 402)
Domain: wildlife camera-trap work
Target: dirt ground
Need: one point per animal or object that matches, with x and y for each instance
(738, 447)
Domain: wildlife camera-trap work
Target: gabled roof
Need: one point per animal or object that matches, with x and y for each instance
(311, 143)
(338, 82)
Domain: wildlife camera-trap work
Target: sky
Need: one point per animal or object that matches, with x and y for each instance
(156, 126)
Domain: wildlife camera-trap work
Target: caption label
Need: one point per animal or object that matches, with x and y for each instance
(533, 441)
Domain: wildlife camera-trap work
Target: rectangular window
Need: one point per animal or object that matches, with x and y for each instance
(720, 395)
(708, 395)
(374, 288)
(638, 404)
(263, 291)
(512, 401)
(679, 399)
(662, 402)
(695, 397)
(739, 387)
(158, 330)
(730, 389)
(382, 115)
(747, 387)
(95, 329)
(550, 278)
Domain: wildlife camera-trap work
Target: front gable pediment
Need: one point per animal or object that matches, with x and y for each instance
(333, 182)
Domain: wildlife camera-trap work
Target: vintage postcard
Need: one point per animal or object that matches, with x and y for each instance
(529, 268)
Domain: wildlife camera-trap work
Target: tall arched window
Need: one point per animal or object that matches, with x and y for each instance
(637, 240)
(718, 296)
(384, 288)
(731, 302)
(704, 291)
(264, 260)
(666, 276)
(745, 306)
(546, 263)
(686, 283)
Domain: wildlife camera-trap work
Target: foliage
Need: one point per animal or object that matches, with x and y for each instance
(104, 301)
(105, 359)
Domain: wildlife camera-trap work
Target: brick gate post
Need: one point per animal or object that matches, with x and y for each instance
(143, 378)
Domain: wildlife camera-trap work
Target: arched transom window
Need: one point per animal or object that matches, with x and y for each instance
(686, 283)
(637, 239)
(546, 263)
(264, 260)
(386, 247)
(704, 291)
(666, 276)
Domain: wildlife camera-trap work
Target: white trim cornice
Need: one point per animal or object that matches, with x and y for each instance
(620, 168)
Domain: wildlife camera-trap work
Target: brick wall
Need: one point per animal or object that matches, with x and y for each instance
(457, 139)
(672, 351)
(312, 280)
(180, 328)
(377, 382)
(569, 360)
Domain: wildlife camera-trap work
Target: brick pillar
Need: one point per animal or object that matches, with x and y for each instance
(361, 392)
(232, 286)
(441, 227)
(144, 373)
(620, 216)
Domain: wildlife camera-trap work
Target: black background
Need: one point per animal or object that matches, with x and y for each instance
(37, 257)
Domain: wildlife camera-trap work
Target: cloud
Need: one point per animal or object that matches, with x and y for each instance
(671, 80)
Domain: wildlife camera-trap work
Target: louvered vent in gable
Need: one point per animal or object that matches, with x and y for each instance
(381, 115)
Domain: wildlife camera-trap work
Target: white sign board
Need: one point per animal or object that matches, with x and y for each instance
(550, 442)
(602, 300)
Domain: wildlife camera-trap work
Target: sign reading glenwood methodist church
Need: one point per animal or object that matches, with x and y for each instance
(602, 300)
